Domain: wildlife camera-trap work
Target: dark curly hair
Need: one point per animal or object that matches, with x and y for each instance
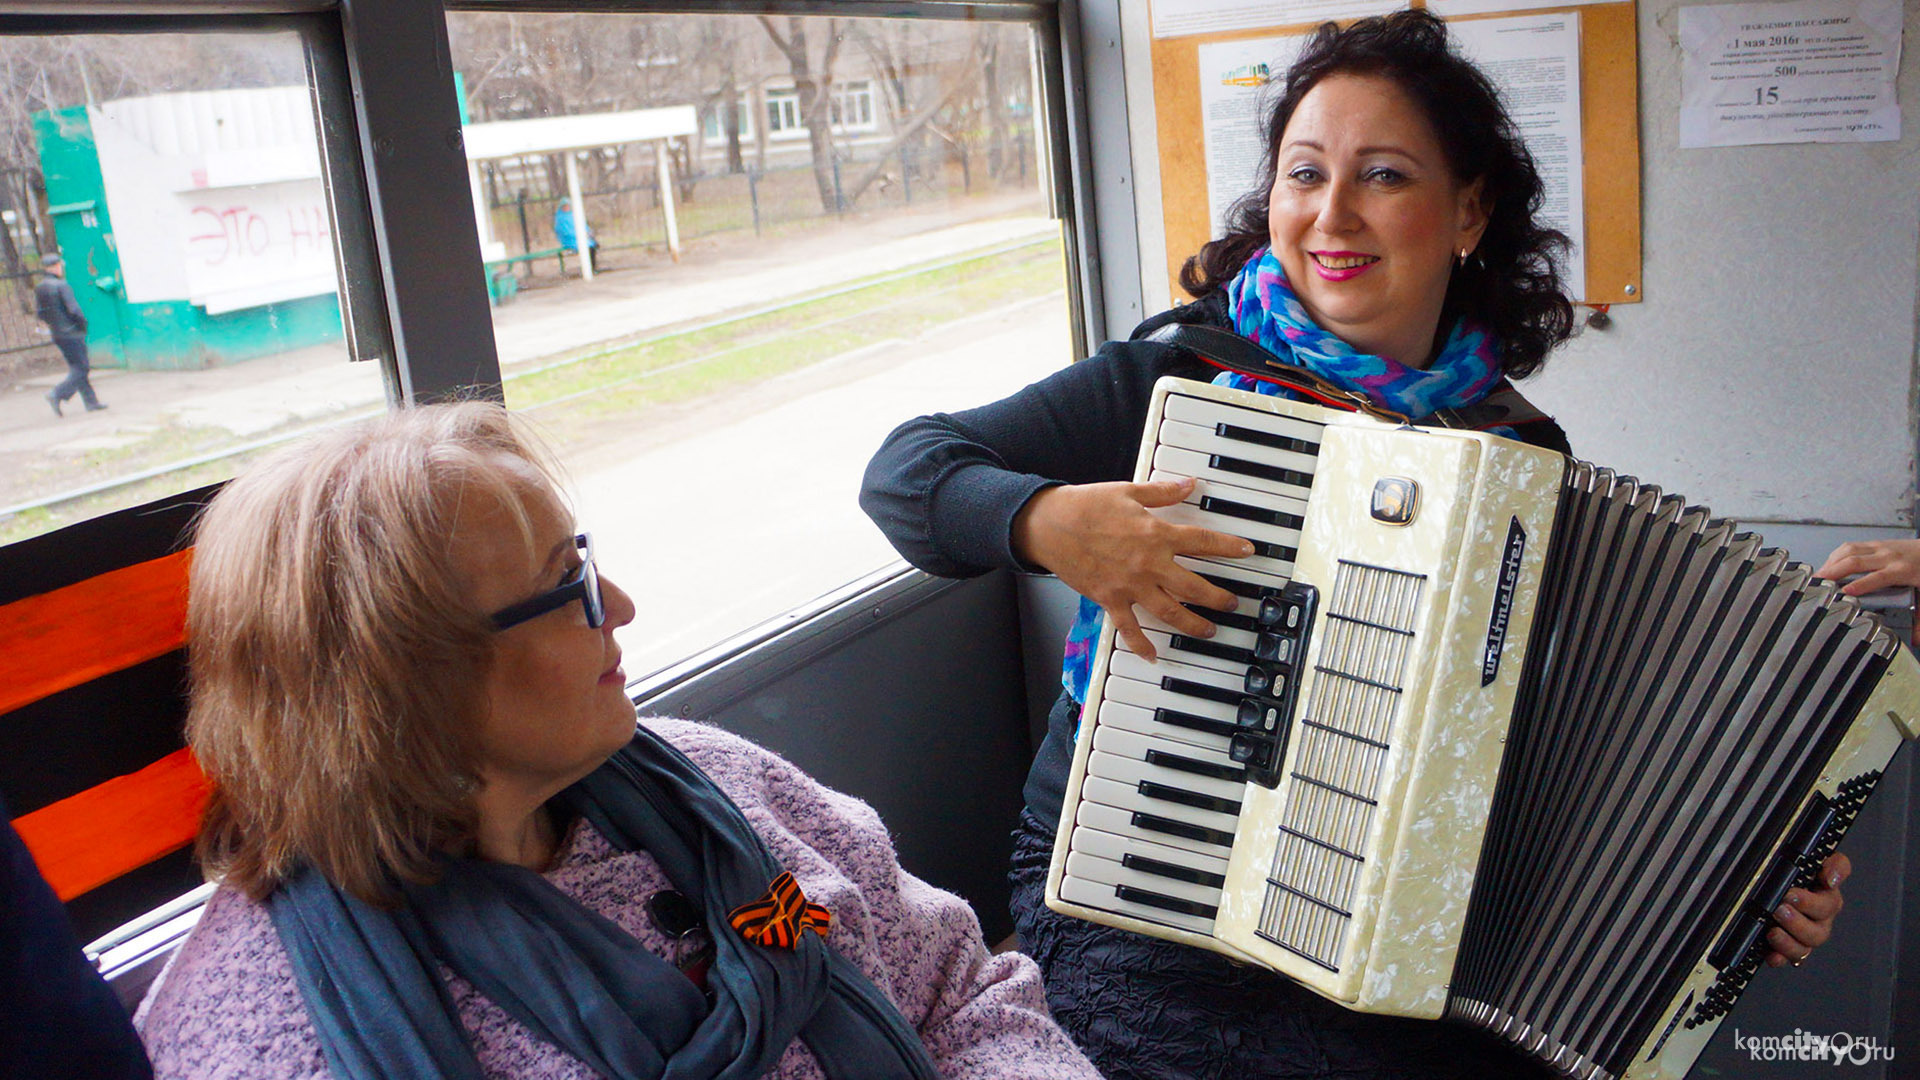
(1512, 287)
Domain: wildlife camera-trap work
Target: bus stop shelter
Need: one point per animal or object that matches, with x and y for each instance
(568, 136)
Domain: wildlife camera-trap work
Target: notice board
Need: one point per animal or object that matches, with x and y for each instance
(1210, 58)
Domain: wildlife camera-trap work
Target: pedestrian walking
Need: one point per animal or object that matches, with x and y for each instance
(56, 306)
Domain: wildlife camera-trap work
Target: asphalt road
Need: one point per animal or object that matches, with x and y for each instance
(742, 509)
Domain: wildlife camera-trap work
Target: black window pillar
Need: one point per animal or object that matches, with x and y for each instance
(414, 160)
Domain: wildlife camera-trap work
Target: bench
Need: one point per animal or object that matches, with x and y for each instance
(502, 281)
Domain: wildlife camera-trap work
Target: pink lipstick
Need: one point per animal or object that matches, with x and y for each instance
(1348, 264)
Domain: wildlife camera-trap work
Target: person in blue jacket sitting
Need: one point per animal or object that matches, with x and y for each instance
(563, 229)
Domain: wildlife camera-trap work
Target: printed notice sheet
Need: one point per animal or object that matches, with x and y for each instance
(1806, 71)
(1176, 18)
(1449, 9)
(1535, 61)
(1238, 80)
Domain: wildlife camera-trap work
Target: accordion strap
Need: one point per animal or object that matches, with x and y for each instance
(1229, 351)
(1503, 406)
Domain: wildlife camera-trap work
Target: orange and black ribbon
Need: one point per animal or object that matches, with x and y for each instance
(777, 918)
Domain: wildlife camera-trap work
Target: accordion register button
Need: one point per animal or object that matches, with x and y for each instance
(1258, 715)
(1272, 610)
(1265, 682)
(1273, 647)
(1280, 611)
(1252, 751)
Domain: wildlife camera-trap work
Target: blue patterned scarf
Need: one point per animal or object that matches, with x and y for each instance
(1266, 312)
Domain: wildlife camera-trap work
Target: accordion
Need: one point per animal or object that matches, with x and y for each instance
(1493, 735)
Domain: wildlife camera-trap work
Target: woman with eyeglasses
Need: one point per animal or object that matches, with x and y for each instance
(445, 848)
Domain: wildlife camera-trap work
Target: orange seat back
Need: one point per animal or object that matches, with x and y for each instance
(92, 698)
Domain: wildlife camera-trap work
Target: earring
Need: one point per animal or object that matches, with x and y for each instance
(1463, 258)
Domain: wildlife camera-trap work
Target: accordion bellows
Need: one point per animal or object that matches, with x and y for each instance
(1494, 735)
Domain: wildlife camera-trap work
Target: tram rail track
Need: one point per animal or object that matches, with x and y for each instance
(116, 483)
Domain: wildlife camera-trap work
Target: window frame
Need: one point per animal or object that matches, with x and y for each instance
(713, 122)
(843, 97)
(412, 289)
(412, 284)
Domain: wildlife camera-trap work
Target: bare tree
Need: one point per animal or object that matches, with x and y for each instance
(898, 49)
(720, 49)
(995, 99)
(46, 74)
(813, 85)
(523, 65)
(910, 131)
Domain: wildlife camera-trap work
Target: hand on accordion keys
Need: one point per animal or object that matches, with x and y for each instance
(1806, 918)
(1103, 543)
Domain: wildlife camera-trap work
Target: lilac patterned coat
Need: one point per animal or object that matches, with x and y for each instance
(227, 1006)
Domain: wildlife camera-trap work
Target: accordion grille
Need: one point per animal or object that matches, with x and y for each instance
(1343, 736)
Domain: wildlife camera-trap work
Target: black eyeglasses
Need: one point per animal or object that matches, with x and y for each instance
(582, 585)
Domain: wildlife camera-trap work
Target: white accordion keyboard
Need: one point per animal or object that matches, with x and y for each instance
(1163, 787)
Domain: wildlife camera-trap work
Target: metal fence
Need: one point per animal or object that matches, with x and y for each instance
(626, 220)
(22, 339)
(628, 223)
(20, 330)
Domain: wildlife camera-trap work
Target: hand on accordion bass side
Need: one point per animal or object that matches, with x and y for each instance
(1875, 565)
(1881, 564)
(1805, 920)
(1104, 542)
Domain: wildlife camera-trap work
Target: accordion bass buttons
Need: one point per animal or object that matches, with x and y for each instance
(1272, 685)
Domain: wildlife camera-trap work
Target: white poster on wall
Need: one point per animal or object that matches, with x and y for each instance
(1237, 82)
(1805, 71)
(1534, 60)
(1448, 9)
(1176, 18)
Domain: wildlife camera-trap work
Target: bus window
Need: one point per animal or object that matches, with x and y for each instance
(180, 178)
(728, 253)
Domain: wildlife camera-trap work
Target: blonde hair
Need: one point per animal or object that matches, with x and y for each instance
(336, 666)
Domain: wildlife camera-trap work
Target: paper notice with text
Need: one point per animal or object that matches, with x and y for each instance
(1806, 71)
(1450, 9)
(1177, 18)
(1238, 80)
(1535, 62)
